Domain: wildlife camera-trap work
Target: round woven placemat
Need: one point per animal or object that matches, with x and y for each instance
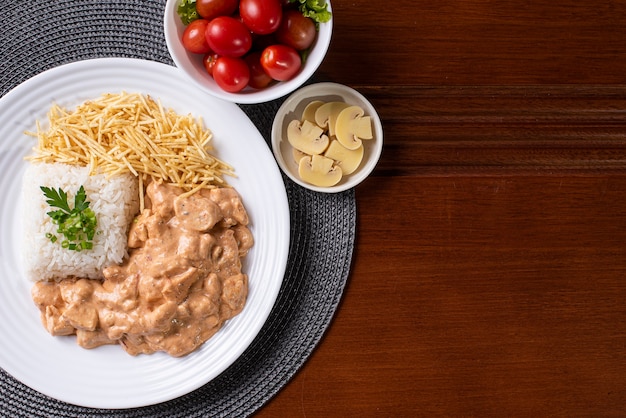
(39, 35)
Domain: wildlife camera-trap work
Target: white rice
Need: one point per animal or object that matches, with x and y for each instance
(115, 202)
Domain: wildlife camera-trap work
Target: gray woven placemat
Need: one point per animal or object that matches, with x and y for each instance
(38, 35)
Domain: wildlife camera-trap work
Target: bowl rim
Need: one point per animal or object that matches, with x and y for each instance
(311, 92)
(181, 58)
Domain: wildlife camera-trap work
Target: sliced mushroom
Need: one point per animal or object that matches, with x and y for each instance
(298, 155)
(307, 137)
(352, 127)
(326, 115)
(348, 160)
(309, 111)
(319, 171)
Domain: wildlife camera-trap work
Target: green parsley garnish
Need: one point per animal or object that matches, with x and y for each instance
(77, 225)
(187, 11)
(315, 9)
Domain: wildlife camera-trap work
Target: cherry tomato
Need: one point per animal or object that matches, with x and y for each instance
(231, 74)
(210, 9)
(194, 39)
(296, 30)
(228, 37)
(281, 62)
(209, 62)
(261, 16)
(258, 77)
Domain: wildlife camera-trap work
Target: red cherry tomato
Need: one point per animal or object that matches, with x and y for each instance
(210, 9)
(228, 37)
(209, 62)
(259, 79)
(296, 30)
(194, 39)
(231, 74)
(261, 16)
(281, 62)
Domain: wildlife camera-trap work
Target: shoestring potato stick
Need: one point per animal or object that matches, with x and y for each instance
(131, 132)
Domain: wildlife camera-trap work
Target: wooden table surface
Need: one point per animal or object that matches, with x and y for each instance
(488, 275)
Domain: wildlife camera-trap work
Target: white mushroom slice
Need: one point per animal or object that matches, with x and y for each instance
(298, 155)
(307, 137)
(326, 115)
(310, 109)
(319, 171)
(348, 160)
(352, 127)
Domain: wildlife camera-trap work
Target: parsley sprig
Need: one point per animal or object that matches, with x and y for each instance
(77, 225)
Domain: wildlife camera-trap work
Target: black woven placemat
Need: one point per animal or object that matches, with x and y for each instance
(38, 35)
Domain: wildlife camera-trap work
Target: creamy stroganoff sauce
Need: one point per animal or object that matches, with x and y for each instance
(181, 282)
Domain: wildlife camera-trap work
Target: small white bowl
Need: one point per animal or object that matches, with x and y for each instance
(292, 109)
(191, 64)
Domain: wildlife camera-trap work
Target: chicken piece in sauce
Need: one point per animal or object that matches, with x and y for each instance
(181, 282)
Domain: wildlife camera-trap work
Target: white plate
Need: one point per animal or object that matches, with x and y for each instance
(107, 377)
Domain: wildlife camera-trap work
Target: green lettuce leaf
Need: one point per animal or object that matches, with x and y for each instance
(315, 9)
(187, 11)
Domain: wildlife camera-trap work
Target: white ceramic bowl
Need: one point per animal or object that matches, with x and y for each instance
(191, 64)
(292, 109)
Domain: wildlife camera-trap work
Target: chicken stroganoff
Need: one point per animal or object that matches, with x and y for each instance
(182, 278)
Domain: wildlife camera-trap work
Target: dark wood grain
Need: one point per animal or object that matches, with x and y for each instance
(486, 42)
(489, 269)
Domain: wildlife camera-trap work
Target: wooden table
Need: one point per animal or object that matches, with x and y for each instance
(488, 276)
